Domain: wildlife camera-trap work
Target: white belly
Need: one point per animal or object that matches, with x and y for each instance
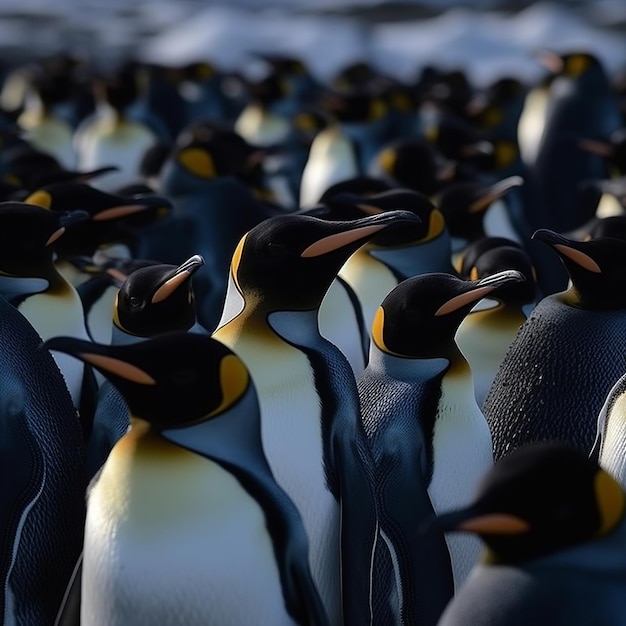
(612, 457)
(462, 455)
(292, 441)
(56, 316)
(171, 538)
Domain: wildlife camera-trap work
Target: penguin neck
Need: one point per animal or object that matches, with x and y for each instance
(233, 438)
(414, 258)
(404, 368)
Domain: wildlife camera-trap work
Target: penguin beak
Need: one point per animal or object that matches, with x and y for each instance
(495, 192)
(567, 248)
(359, 230)
(71, 218)
(180, 276)
(550, 60)
(601, 148)
(135, 204)
(477, 291)
(471, 520)
(100, 357)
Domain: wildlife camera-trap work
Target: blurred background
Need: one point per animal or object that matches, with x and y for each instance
(488, 39)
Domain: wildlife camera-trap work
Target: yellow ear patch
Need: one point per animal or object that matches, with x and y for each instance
(234, 380)
(197, 161)
(576, 65)
(436, 225)
(387, 160)
(611, 501)
(40, 198)
(580, 258)
(377, 329)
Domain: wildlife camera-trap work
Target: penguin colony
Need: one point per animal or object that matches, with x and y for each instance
(290, 352)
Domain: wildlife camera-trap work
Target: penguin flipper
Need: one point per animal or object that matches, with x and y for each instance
(418, 549)
(358, 533)
(69, 613)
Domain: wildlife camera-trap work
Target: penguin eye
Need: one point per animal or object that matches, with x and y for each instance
(276, 249)
(136, 303)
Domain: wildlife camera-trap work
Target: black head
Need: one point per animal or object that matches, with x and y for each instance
(507, 257)
(169, 381)
(540, 499)
(596, 269)
(347, 206)
(157, 299)
(419, 317)
(29, 235)
(464, 204)
(290, 261)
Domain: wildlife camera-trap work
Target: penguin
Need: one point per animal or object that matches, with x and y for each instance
(97, 293)
(331, 160)
(114, 219)
(552, 522)
(485, 335)
(373, 270)
(430, 442)
(279, 274)
(568, 354)
(43, 128)
(30, 281)
(154, 300)
(42, 460)
(111, 137)
(211, 213)
(581, 105)
(30, 169)
(377, 267)
(185, 522)
(413, 163)
(608, 447)
(465, 206)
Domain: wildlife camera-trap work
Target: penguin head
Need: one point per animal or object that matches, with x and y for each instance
(497, 254)
(346, 206)
(464, 204)
(206, 151)
(171, 380)
(157, 299)
(419, 317)
(110, 214)
(29, 235)
(291, 260)
(415, 164)
(595, 267)
(539, 499)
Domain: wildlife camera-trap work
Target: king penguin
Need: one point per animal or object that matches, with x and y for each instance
(310, 421)
(154, 300)
(429, 440)
(42, 461)
(485, 335)
(30, 281)
(568, 354)
(377, 267)
(185, 523)
(554, 530)
(610, 445)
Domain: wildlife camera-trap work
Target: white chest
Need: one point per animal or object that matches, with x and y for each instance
(172, 538)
